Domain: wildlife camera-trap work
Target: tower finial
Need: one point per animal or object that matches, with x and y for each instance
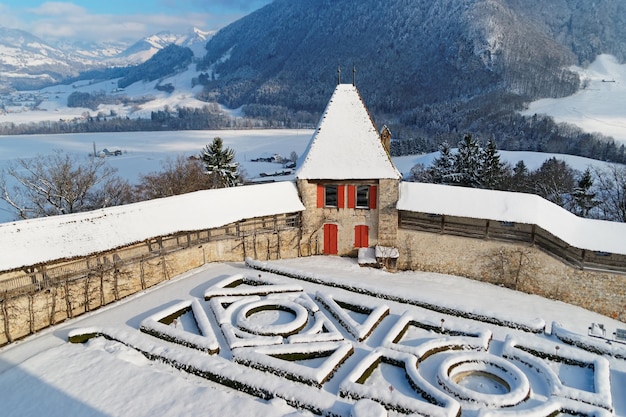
(338, 74)
(354, 75)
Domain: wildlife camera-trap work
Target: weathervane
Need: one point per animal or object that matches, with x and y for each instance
(354, 75)
(338, 74)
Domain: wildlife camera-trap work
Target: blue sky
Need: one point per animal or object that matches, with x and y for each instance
(120, 20)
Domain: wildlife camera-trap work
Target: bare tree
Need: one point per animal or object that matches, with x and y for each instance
(554, 181)
(179, 176)
(610, 184)
(61, 184)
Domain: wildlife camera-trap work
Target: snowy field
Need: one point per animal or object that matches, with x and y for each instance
(145, 152)
(47, 375)
(599, 107)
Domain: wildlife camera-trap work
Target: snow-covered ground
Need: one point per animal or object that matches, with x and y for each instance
(53, 106)
(599, 106)
(145, 152)
(46, 375)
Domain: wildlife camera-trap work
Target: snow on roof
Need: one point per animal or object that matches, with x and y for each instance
(346, 144)
(595, 235)
(30, 242)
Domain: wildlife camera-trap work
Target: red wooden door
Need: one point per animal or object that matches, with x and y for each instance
(330, 239)
(361, 236)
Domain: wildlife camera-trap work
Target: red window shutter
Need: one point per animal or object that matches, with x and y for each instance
(341, 196)
(320, 196)
(373, 196)
(351, 196)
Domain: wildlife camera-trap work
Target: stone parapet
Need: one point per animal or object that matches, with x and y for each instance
(520, 267)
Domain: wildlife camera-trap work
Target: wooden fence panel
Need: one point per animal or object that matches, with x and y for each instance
(514, 233)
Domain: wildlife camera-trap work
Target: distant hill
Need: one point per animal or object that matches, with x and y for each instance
(434, 68)
(27, 61)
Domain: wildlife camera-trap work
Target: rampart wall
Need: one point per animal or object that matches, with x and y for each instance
(520, 257)
(519, 266)
(45, 295)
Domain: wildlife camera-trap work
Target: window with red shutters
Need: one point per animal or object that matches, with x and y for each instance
(362, 196)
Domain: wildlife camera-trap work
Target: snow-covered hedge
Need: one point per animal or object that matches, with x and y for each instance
(282, 360)
(435, 403)
(600, 346)
(534, 355)
(434, 303)
(451, 337)
(490, 366)
(157, 325)
(240, 284)
(215, 368)
(554, 406)
(375, 313)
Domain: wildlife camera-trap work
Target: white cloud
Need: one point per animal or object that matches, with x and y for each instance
(57, 8)
(61, 20)
(8, 18)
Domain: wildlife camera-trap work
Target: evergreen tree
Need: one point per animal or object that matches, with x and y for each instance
(468, 163)
(443, 166)
(220, 164)
(492, 169)
(520, 180)
(583, 199)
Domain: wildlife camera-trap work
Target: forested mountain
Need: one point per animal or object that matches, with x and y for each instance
(431, 67)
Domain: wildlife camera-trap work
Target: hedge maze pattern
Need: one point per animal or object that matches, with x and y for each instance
(326, 350)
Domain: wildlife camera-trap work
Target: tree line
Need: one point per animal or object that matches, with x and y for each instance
(208, 117)
(597, 193)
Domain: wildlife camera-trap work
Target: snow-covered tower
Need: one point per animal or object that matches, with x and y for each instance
(347, 181)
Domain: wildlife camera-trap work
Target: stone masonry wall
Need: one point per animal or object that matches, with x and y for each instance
(517, 266)
(25, 314)
(388, 194)
(313, 219)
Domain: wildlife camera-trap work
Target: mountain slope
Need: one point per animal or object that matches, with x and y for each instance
(26, 60)
(440, 65)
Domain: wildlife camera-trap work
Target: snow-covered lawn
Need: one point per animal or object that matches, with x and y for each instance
(599, 106)
(331, 333)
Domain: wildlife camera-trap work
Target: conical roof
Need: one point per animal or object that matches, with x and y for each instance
(346, 144)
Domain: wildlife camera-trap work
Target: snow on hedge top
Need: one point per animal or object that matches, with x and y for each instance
(346, 144)
(595, 235)
(30, 242)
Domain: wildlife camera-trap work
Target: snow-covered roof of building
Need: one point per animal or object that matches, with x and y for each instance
(595, 235)
(30, 242)
(346, 144)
